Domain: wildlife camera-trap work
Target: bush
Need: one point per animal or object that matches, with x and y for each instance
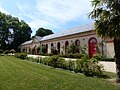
(46, 61)
(6, 52)
(30, 58)
(79, 65)
(49, 54)
(54, 61)
(41, 60)
(1, 51)
(85, 65)
(97, 56)
(61, 63)
(21, 55)
(91, 67)
(42, 50)
(69, 55)
(71, 65)
(77, 55)
(54, 51)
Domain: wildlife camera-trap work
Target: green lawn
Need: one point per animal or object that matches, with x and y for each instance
(16, 74)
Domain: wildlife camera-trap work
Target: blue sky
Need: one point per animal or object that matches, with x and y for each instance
(56, 15)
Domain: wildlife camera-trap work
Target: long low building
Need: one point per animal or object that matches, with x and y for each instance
(82, 37)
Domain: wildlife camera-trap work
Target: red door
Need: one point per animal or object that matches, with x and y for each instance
(92, 46)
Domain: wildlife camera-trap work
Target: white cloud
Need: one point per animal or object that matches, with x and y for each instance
(37, 20)
(36, 23)
(64, 10)
(53, 13)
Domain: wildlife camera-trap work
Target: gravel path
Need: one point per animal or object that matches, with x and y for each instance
(108, 66)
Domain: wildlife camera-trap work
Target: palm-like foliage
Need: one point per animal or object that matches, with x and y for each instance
(107, 23)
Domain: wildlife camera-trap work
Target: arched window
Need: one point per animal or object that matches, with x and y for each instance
(77, 46)
(46, 48)
(92, 46)
(58, 47)
(52, 45)
(77, 42)
(66, 46)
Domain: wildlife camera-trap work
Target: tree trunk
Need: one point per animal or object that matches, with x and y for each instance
(117, 58)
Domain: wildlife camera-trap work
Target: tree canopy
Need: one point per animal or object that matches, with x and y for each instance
(43, 32)
(107, 17)
(13, 32)
(107, 24)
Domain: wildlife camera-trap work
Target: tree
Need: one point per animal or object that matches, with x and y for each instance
(43, 32)
(13, 32)
(107, 24)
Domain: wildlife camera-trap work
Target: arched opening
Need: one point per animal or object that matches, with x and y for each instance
(92, 46)
(46, 48)
(34, 50)
(52, 47)
(66, 46)
(77, 46)
(58, 47)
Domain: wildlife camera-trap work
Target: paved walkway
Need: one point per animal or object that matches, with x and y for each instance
(108, 66)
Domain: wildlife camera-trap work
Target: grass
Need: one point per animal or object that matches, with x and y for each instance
(16, 74)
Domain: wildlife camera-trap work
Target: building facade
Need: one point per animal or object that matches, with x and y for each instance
(83, 37)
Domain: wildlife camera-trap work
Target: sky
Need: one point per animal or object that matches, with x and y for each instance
(56, 15)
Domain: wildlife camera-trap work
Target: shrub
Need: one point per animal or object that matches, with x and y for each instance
(1, 51)
(71, 65)
(37, 60)
(79, 66)
(77, 55)
(97, 57)
(69, 55)
(72, 48)
(54, 61)
(54, 51)
(21, 55)
(49, 54)
(41, 60)
(85, 65)
(30, 58)
(61, 63)
(6, 52)
(91, 66)
(46, 61)
(43, 50)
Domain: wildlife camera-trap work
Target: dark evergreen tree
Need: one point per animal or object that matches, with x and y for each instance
(43, 32)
